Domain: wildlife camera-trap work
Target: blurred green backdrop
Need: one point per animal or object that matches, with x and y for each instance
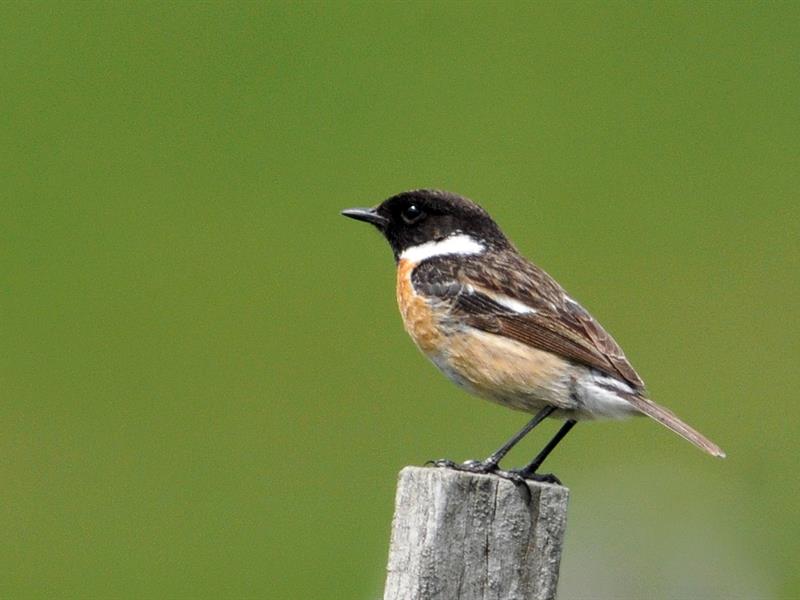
(206, 388)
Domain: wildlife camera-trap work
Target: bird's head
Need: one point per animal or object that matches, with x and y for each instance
(431, 219)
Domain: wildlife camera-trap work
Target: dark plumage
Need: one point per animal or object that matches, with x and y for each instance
(469, 298)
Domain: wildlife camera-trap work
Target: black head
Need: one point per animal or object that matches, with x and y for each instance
(413, 218)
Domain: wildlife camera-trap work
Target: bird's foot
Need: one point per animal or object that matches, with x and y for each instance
(470, 466)
(520, 476)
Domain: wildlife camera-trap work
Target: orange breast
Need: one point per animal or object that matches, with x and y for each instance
(417, 315)
(487, 365)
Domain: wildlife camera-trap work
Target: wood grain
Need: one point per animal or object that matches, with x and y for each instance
(465, 536)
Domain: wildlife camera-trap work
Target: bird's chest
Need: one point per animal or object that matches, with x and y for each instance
(483, 363)
(419, 317)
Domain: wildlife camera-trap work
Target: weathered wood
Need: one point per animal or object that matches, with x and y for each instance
(463, 536)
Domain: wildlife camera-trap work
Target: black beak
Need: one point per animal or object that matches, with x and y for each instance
(366, 214)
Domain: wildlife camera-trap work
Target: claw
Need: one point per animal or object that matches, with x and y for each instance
(548, 478)
(518, 481)
(542, 478)
(443, 463)
(513, 476)
(470, 466)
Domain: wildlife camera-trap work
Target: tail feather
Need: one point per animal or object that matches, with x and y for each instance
(670, 420)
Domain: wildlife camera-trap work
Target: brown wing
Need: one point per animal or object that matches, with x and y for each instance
(479, 292)
(559, 324)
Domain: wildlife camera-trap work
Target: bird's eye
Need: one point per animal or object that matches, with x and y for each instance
(411, 214)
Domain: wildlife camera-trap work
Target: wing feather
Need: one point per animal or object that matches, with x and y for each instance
(543, 316)
(555, 322)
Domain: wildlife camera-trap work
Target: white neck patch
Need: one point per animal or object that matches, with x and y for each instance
(460, 243)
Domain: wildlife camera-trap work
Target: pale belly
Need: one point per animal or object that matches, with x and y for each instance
(505, 371)
(524, 378)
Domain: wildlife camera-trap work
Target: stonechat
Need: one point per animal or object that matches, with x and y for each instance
(503, 329)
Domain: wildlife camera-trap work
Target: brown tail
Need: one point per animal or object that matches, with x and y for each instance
(668, 419)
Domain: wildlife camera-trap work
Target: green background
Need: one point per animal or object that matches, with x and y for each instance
(206, 388)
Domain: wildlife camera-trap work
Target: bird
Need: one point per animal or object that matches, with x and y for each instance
(503, 329)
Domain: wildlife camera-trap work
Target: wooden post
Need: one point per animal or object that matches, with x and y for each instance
(463, 536)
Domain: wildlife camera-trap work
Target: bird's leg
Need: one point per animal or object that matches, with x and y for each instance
(529, 471)
(489, 464)
(494, 459)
